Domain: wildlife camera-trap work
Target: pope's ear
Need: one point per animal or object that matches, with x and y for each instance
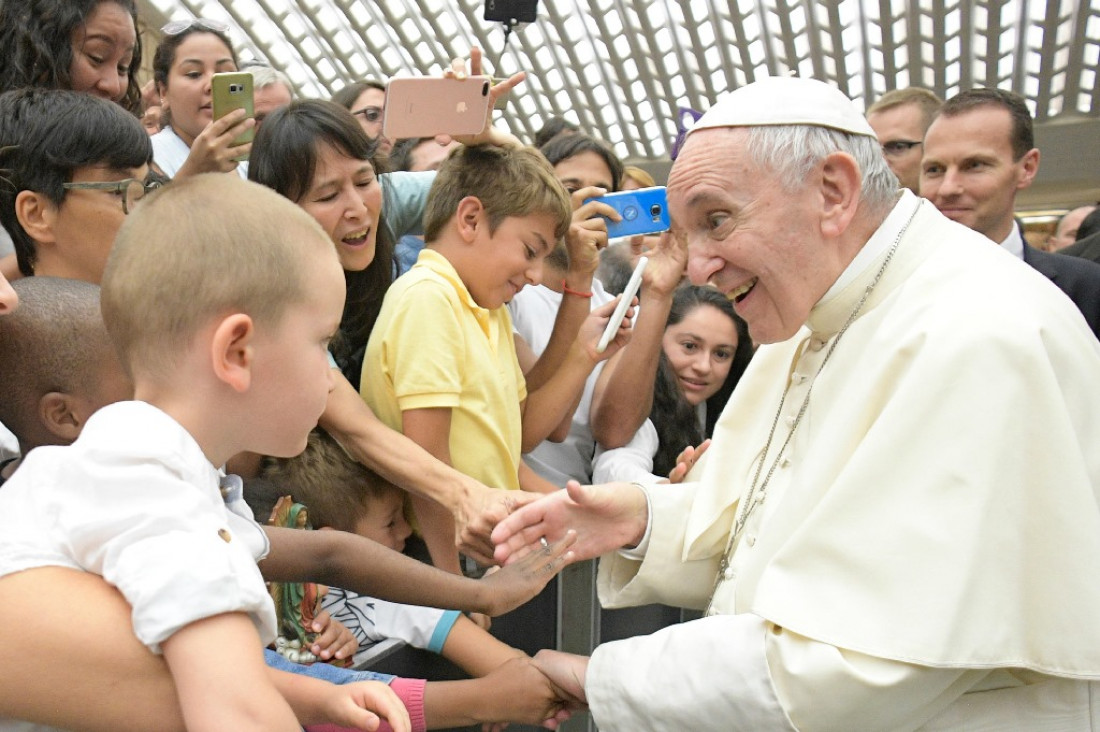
(840, 182)
(231, 351)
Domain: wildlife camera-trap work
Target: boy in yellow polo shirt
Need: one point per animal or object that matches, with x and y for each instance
(441, 362)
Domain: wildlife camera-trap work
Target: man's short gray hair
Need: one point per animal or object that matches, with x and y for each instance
(792, 151)
(266, 76)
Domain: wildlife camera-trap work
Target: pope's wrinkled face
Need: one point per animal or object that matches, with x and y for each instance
(757, 242)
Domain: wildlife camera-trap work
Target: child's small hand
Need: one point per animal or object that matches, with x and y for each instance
(524, 578)
(359, 705)
(522, 693)
(334, 640)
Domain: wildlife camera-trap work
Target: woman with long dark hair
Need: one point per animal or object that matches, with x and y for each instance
(316, 154)
(704, 351)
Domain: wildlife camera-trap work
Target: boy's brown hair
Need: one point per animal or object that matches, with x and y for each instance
(335, 488)
(509, 182)
(200, 248)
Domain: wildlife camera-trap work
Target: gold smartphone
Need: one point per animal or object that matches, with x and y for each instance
(426, 106)
(233, 90)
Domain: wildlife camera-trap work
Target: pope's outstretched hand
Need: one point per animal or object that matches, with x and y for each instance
(605, 517)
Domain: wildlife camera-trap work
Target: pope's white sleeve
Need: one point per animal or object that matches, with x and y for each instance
(737, 672)
(822, 687)
(708, 674)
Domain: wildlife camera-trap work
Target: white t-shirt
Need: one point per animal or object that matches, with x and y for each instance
(534, 310)
(372, 621)
(170, 153)
(135, 500)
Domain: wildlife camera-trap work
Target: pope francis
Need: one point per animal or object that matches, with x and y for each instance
(896, 526)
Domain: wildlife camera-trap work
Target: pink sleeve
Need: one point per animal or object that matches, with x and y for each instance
(411, 694)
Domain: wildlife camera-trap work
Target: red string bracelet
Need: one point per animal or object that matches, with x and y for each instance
(567, 291)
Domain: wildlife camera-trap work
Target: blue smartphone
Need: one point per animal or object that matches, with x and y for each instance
(644, 211)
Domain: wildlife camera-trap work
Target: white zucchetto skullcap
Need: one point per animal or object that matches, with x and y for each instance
(786, 100)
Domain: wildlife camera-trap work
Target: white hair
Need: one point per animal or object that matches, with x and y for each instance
(266, 76)
(792, 151)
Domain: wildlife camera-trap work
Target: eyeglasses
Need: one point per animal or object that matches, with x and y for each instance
(370, 114)
(899, 147)
(130, 190)
(175, 27)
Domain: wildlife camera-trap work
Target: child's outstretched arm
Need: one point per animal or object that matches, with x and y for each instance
(355, 563)
(221, 678)
(515, 692)
(523, 578)
(474, 650)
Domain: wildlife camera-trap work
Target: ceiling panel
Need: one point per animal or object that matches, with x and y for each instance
(622, 68)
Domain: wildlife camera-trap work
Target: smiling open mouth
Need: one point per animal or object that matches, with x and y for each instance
(356, 239)
(741, 292)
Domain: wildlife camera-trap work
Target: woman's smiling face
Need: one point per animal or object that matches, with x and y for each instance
(700, 350)
(346, 199)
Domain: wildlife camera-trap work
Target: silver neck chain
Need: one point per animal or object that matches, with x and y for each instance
(756, 494)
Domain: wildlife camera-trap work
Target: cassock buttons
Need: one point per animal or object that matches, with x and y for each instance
(728, 573)
(816, 344)
(750, 540)
(789, 419)
(785, 462)
(797, 378)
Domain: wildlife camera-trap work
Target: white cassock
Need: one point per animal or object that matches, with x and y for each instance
(928, 553)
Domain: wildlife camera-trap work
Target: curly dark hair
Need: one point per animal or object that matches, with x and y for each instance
(675, 420)
(36, 36)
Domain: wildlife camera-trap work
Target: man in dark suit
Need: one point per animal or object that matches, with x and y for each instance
(1087, 247)
(978, 152)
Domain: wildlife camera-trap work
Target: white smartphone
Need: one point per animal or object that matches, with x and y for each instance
(426, 106)
(624, 305)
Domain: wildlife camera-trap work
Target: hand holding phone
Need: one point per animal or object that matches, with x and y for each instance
(234, 90)
(426, 106)
(624, 305)
(643, 211)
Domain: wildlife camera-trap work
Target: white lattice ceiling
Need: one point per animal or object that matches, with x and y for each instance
(622, 68)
